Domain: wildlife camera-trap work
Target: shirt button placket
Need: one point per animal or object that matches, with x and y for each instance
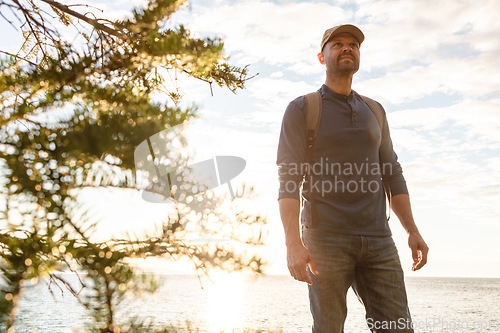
(354, 119)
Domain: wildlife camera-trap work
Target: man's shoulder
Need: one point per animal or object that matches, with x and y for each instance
(298, 102)
(296, 108)
(367, 100)
(375, 107)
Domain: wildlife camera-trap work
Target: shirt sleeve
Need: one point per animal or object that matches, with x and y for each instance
(291, 155)
(392, 172)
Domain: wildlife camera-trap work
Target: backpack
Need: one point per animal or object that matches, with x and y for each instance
(314, 109)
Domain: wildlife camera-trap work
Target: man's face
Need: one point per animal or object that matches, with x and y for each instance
(341, 55)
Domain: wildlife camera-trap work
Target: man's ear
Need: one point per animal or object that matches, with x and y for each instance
(321, 58)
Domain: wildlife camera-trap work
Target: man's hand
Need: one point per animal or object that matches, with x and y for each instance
(401, 206)
(298, 257)
(418, 250)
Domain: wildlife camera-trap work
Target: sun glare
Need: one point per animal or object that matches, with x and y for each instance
(225, 302)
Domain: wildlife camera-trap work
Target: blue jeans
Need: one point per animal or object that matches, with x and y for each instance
(370, 264)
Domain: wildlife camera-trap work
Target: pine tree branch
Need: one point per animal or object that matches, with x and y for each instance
(84, 18)
(18, 57)
(6, 19)
(29, 18)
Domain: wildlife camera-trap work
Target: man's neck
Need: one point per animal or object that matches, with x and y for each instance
(339, 84)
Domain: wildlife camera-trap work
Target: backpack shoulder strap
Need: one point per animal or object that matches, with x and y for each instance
(314, 109)
(379, 114)
(376, 109)
(313, 115)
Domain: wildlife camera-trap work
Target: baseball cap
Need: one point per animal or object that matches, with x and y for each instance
(349, 28)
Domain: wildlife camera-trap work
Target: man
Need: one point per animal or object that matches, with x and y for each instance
(346, 240)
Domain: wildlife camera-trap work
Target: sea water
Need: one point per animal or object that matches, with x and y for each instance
(233, 303)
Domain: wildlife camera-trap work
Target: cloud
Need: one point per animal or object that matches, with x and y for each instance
(266, 31)
(475, 124)
(273, 95)
(471, 78)
(411, 29)
(433, 64)
(451, 49)
(276, 75)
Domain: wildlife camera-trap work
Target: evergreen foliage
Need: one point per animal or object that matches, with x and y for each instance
(71, 114)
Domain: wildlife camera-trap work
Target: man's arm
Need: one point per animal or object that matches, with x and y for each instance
(402, 207)
(298, 257)
(400, 200)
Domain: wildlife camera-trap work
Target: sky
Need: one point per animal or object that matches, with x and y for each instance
(434, 66)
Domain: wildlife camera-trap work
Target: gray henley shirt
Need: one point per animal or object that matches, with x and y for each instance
(350, 156)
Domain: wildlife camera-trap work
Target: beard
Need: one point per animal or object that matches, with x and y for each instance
(341, 67)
